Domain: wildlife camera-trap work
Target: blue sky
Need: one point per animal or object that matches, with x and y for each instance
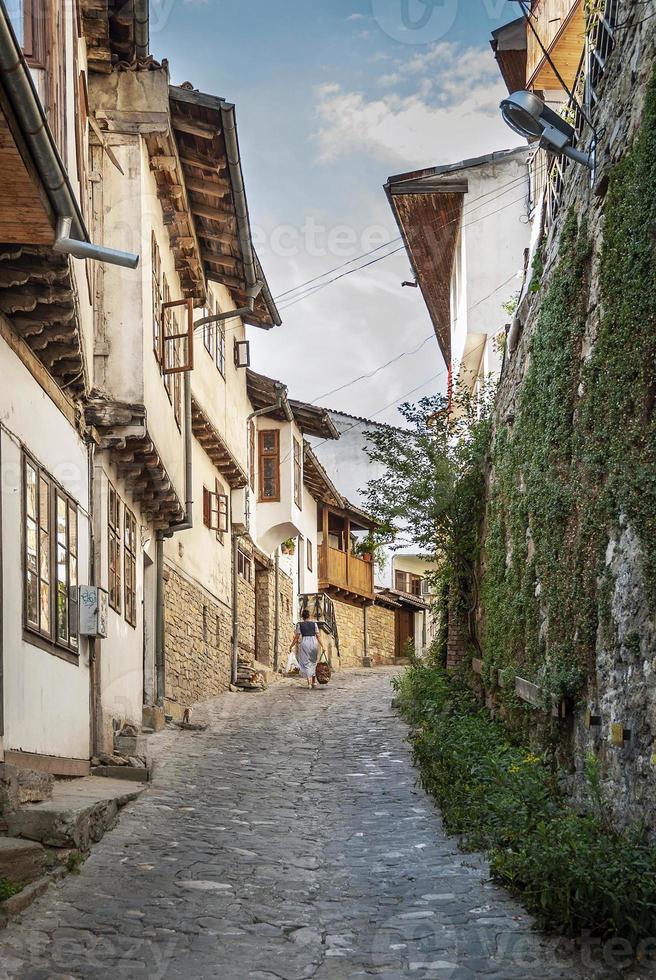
(332, 97)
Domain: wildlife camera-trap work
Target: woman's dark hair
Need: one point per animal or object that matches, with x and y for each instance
(305, 614)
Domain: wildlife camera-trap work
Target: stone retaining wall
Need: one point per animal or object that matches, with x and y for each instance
(382, 635)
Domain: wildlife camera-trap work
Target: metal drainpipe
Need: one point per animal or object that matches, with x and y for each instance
(19, 86)
(253, 292)
(235, 608)
(186, 525)
(366, 634)
(141, 28)
(276, 618)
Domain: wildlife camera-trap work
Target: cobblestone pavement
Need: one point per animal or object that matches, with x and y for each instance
(288, 841)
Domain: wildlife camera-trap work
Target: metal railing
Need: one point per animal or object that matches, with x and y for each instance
(600, 40)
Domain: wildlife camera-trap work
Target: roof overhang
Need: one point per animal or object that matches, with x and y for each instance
(267, 393)
(401, 599)
(563, 37)
(116, 32)
(205, 132)
(318, 482)
(509, 44)
(207, 435)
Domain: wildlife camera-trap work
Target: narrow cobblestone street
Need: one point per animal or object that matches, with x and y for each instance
(288, 841)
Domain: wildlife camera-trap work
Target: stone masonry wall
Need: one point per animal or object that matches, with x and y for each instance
(265, 594)
(197, 631)
(350, 627)
(620, 691)
(381, 624)
(246, 619)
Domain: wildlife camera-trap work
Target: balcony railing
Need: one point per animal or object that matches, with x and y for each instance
(344, 572)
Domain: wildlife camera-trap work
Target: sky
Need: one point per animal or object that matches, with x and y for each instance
(332, 97)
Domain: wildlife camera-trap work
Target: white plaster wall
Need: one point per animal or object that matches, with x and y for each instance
(122, 653)
(495, 231)
(46, 699)
(278, 520)
(198, 552)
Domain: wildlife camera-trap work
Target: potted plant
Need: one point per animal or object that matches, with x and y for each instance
(288, 547)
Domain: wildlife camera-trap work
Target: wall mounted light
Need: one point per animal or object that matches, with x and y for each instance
(528, 115)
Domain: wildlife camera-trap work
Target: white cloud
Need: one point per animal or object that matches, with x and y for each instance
(445, 108)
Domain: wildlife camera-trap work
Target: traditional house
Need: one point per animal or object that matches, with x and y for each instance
(47, 652)
(466, 228)
(401, 574)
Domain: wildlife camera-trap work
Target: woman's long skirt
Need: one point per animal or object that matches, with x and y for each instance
(308, 655)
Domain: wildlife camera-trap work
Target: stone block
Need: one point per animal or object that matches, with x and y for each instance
(130, 744)
(122, 772)
(21, 861)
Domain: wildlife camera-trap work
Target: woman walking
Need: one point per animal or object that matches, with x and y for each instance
(307, 641)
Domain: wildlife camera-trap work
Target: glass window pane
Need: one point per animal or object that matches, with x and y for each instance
(62, 515)
(30, 490)
(73, 572)
(31, 598)
(72, 530)
(62, 612)
(16, 11)
(269, 442)
(45, 607)
(44, 504)
(44, 563)
(31, 543)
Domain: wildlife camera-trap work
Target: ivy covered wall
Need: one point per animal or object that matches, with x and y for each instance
(568, 580)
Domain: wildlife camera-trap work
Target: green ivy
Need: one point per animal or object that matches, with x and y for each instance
(579, 459)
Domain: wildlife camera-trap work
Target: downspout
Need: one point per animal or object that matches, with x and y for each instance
(276, 613)
(18, 84)
(235, 608)
(252, 292)
(141, 29)
(185, 525)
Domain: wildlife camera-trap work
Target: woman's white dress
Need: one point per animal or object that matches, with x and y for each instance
(308, 651)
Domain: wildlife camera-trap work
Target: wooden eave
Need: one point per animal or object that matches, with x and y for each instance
(565, 50)
(318, 482)
(198, 122)
(404, 599)
(169, 177)
(510, 47)
(429, 222)
(311, 419)
(215, 447)
(38, 299)
(359, 520)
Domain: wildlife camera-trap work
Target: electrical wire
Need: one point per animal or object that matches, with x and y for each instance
(343, 275)
(474, 205)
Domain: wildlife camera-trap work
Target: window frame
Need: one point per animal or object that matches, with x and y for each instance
(310, 555)
(34, 631)
(410, 579)
(298, 473)
(264, 455)
(114, 538)
(220, 357)
(244, 566)
(34, 33)
(251, 453)
(209, 329)
(129, 566)
(156, 294)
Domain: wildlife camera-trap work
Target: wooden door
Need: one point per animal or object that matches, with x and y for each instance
(405, 629)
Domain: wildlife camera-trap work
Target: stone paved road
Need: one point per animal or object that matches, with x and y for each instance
(289, 841)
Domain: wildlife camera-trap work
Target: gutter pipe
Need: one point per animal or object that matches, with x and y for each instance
(234, 662)
(252, 292)
(17, 81)
(251, 264)
(141, 28)
(276, 616)
(184, 525)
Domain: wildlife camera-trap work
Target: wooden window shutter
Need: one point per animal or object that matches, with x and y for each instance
(242, 353)
(178, 339)
(207, 508)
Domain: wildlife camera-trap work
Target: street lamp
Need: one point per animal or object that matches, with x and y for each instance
(528, 115)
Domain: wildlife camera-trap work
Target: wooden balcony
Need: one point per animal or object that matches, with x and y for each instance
(344, 576)
(561, 28)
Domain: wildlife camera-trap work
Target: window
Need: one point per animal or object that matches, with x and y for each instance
(51, 558)
(269, 465)
(28, 18)
(309, 555)
(130, 562)
(244, 566)
(114, 548)
(298, 474)
(220, 347)
(157, 296)
(251, 453)
(408, 583)
(216, 511)
(168, 329)
(242, 353)
(208, 329)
